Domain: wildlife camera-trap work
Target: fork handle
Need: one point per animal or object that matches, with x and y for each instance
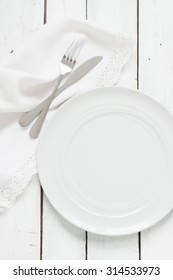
(36, 128)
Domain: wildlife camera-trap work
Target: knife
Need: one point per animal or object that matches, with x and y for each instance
(75, 76)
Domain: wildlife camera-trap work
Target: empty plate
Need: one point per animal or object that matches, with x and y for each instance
(106, 161)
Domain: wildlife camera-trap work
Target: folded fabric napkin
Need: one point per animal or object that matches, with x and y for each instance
(28, 76)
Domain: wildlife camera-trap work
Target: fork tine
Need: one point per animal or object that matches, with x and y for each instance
(73, 49)
(68, 51)
(77, 51)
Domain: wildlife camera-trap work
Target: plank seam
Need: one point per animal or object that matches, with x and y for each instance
(139, 233)
(41, 223)
(86, 245)
(45, 12)
(41, 191)
(137, 44)
(86, 14)
(139, 244)
(86, 233)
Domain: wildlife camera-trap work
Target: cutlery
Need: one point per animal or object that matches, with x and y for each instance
(75, 76)
(67, 64)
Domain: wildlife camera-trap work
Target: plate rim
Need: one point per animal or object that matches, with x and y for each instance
(75, 221)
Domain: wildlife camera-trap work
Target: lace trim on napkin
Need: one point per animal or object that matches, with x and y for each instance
(16, 184)
(120, 54)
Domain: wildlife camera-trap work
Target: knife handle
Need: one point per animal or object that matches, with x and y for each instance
(36, 128)
(29, 116)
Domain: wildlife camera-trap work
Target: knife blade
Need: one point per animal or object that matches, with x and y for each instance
(75, 76)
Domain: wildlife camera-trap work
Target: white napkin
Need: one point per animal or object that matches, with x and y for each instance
(28, 75)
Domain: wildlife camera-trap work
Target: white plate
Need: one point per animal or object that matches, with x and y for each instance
(106, 161)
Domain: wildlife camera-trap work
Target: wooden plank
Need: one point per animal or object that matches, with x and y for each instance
(18, 19)
(157, 243)
(19, 227)
(57, 9)
(155, 78)
(119, 16)
(66, 241)
(61, 240)
(115, 248)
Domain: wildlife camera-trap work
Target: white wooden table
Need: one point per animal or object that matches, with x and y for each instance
(32, 229)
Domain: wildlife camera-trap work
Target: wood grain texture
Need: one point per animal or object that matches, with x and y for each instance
(20, 226)
(57, 9)
(61, 240)
(155, 78)
(115, 248)
(18, 19)
(157, 242)
(118, 16)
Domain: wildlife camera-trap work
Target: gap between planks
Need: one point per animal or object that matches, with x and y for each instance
(41, 192)
(139, 233)
(86, 233)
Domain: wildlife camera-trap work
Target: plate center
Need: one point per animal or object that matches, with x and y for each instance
(114, 161)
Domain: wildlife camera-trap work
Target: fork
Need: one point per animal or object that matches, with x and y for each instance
(67, 64)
